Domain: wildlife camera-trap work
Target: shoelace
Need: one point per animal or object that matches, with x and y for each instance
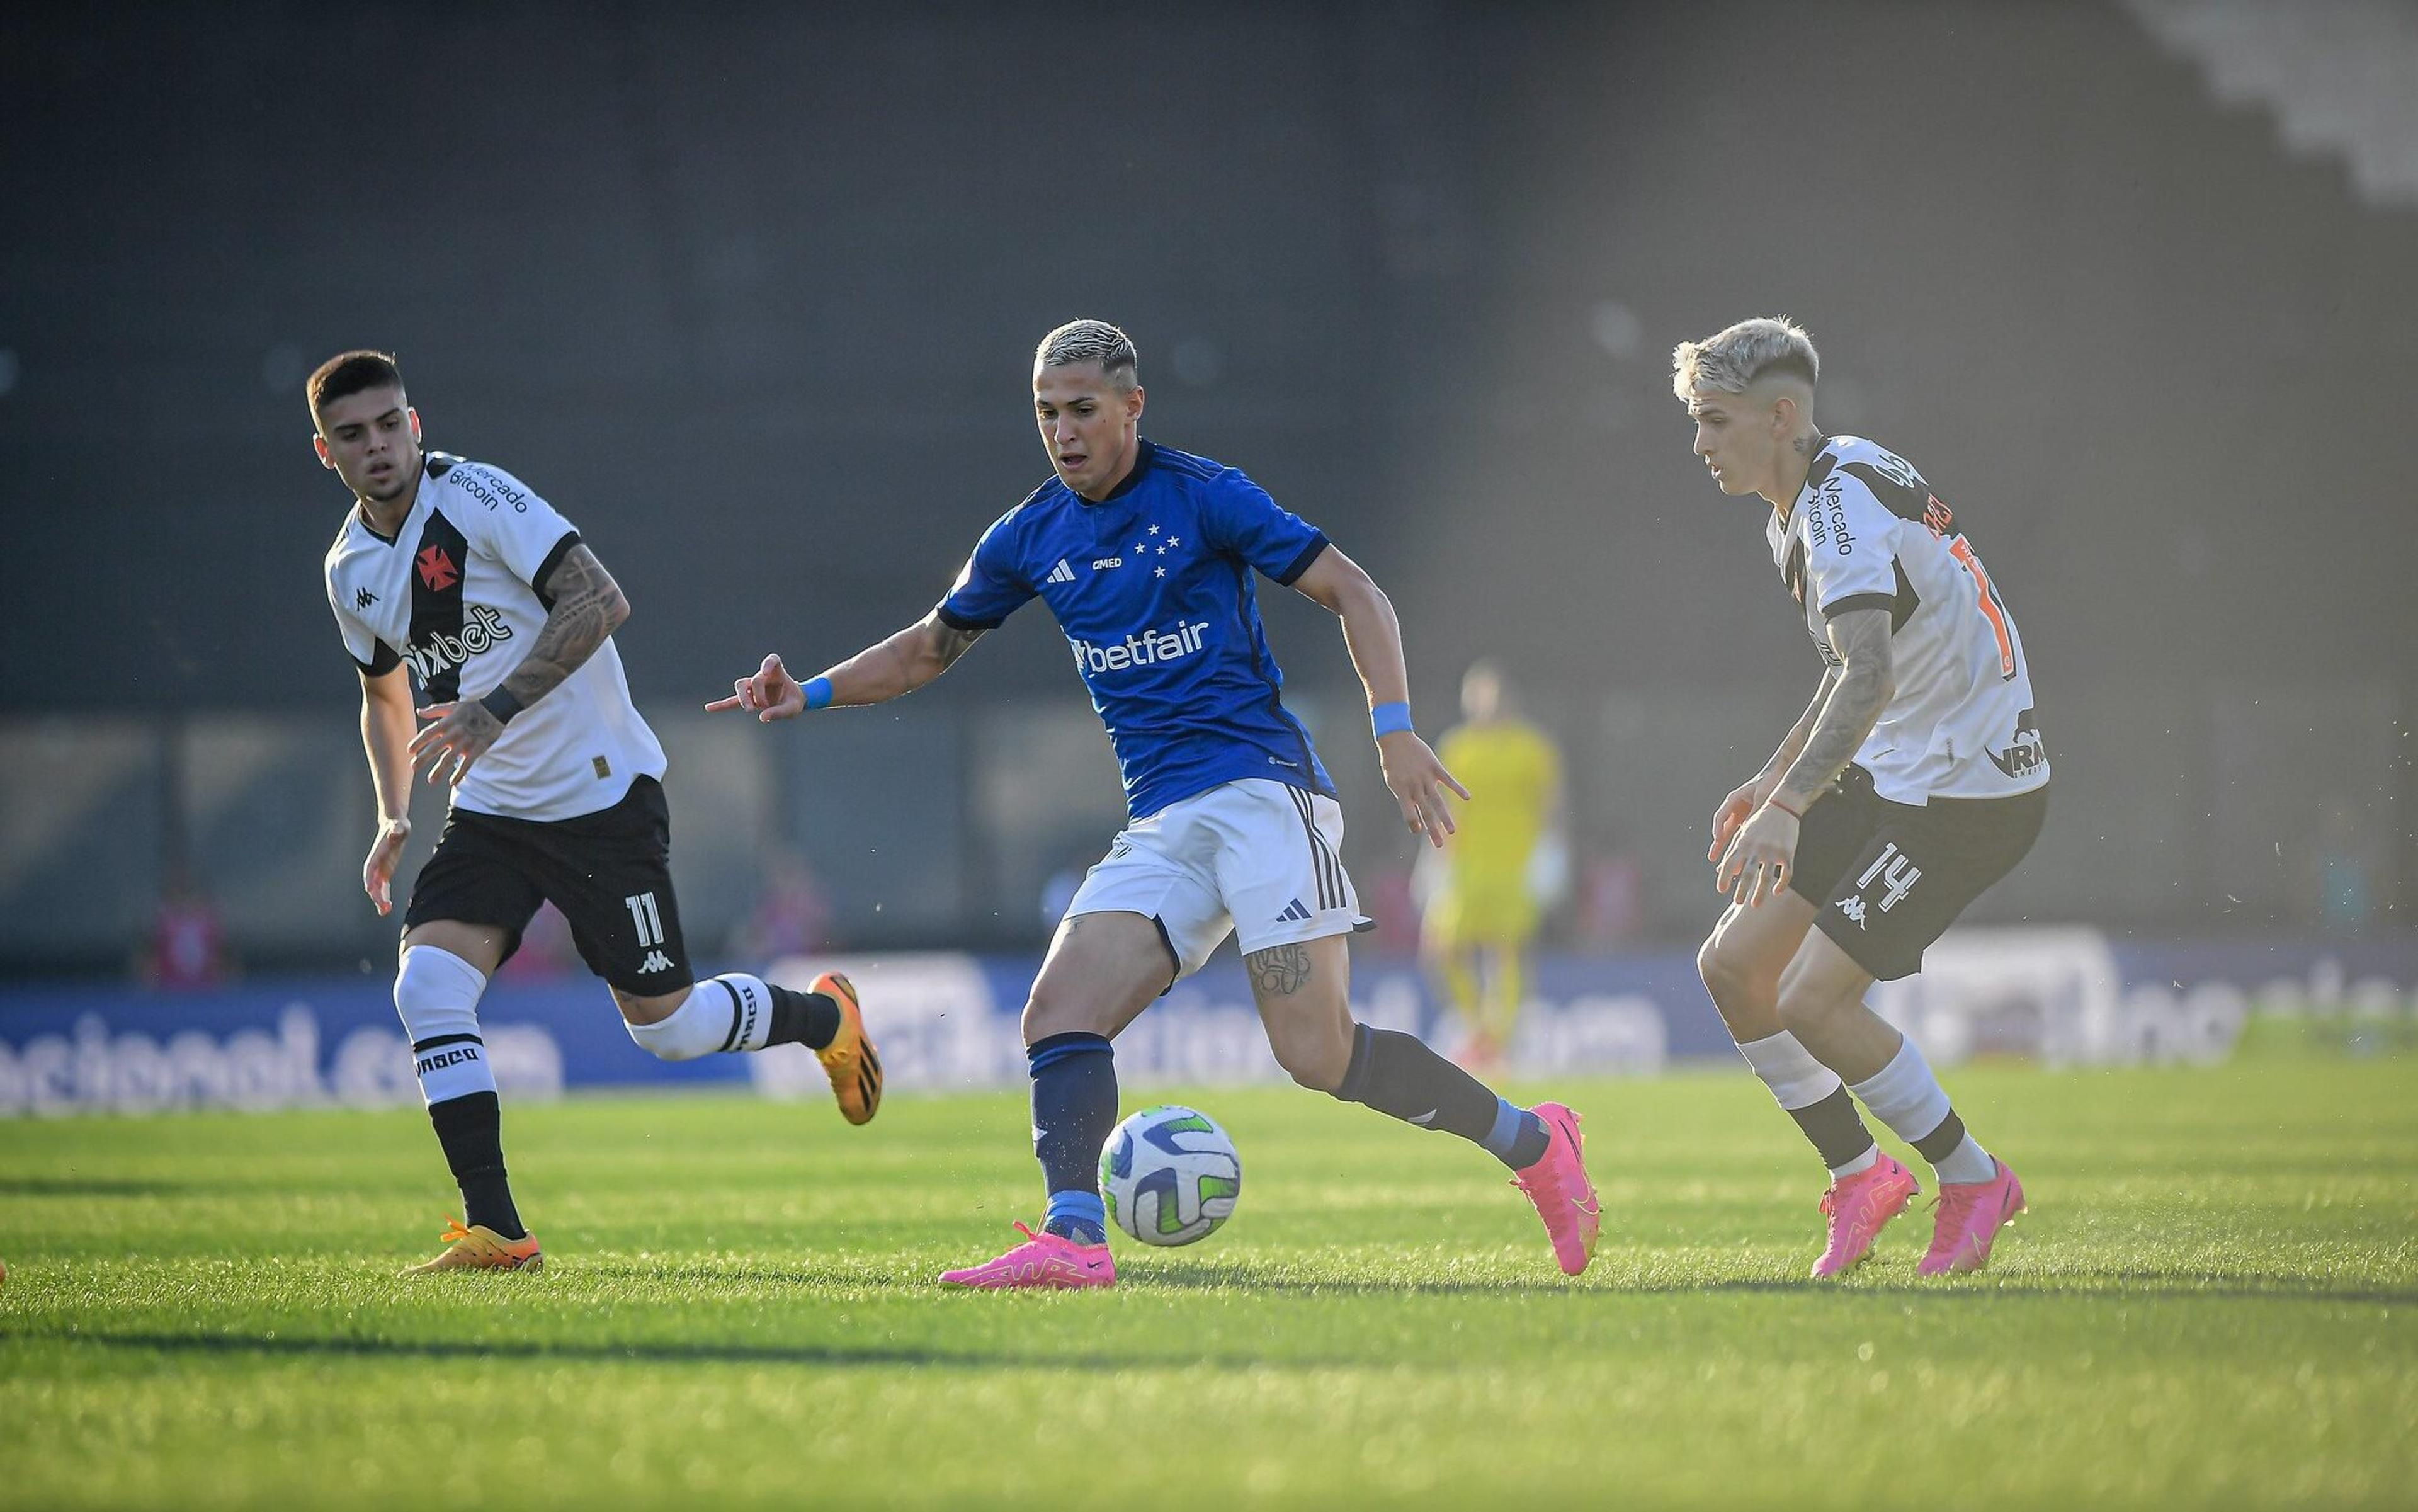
(454, 1233)
(1959, 1211)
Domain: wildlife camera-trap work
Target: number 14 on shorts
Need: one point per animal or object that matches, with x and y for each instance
(1896, 872)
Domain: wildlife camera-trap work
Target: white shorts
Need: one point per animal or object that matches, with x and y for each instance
(1256, 858)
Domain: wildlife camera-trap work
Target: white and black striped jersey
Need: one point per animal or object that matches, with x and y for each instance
(1867, 532)
(455, 596)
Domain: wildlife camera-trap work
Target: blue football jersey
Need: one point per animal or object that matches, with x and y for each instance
(1153, 589)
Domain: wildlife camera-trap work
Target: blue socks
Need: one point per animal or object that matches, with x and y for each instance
(1519, 1137)
(1074, 1108)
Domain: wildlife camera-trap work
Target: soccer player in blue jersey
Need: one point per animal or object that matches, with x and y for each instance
(1145, 555)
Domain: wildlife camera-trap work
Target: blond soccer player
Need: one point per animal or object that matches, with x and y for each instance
(1914, 779)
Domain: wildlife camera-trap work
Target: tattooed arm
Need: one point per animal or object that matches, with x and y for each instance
(1751, 794)
(1865, 682)
(587, 606)
(1794, 744)
(1761, 854)
(884, 670)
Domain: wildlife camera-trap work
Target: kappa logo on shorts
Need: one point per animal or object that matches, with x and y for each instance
(1897, 874)
(1853, 907)
(655, 961)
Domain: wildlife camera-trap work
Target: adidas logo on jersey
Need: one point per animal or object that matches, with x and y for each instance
(1142, 649)
(1294, 913)
(1063, 572)
(443, 652)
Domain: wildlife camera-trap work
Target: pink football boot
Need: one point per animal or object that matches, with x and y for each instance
(1970, 1216)
(1558, 1185)
(1858, 1207)
(1044, 1262)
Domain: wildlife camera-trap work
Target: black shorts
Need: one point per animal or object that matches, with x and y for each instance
(1891, 877)
(609, 872)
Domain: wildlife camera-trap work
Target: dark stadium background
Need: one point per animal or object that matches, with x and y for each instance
(750, 291)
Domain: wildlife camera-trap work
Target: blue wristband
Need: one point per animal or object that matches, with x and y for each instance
(1389, 719)
(818, 692)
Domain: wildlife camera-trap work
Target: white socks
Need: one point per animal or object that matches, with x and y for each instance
(436, 992)
(730, 1011)
(1797, 1081)
(1904, 1095)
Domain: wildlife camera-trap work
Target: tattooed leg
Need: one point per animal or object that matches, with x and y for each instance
(1303, 1003)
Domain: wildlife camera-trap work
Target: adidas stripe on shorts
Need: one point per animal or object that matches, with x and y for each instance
(1256, 858)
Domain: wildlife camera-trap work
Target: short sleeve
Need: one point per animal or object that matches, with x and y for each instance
(375, 657)
(1850, 548)
(991, 586)
(505, 518)
(1242, 519)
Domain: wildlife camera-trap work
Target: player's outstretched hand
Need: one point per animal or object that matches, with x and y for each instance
(1417, 781)
(377, 872)
(1761, 858)
(771, 693)
(1744, 800)
(458, 734)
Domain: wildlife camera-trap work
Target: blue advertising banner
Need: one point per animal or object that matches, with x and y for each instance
(948, 1022)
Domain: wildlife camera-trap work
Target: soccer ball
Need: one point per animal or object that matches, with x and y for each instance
(1170, 1175)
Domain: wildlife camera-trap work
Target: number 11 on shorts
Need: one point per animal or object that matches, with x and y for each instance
(643, 914)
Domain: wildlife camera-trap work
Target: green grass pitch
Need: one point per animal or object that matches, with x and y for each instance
(2211, 1303)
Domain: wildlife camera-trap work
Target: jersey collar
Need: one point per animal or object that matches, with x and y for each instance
(361, 516)
(1143, 452)
(1819, 470)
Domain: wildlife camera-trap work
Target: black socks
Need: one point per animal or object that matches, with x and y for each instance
(1398, 1075)
(471, 1130)
(807, 1019)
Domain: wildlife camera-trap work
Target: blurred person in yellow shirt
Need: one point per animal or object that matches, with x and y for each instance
(1482, 895)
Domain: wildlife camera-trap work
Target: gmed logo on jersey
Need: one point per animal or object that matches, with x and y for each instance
(1143, 648)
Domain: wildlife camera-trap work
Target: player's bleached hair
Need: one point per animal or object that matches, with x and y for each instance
(348, 373)
(1090, 341)
(1747, 351)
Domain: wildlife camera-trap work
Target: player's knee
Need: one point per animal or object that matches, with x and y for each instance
(1723, 977)
(1047, 1012)
(1801, 1009)
(690, 1031)
(1315, 1062)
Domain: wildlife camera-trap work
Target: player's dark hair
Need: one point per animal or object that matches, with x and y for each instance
(348, 373)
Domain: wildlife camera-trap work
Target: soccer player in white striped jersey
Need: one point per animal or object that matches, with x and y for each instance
(459, 575)
(1914, 779)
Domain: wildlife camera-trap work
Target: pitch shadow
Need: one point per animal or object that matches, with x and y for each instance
(647, 1352)
(90, 1186)
(2128, 1286)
